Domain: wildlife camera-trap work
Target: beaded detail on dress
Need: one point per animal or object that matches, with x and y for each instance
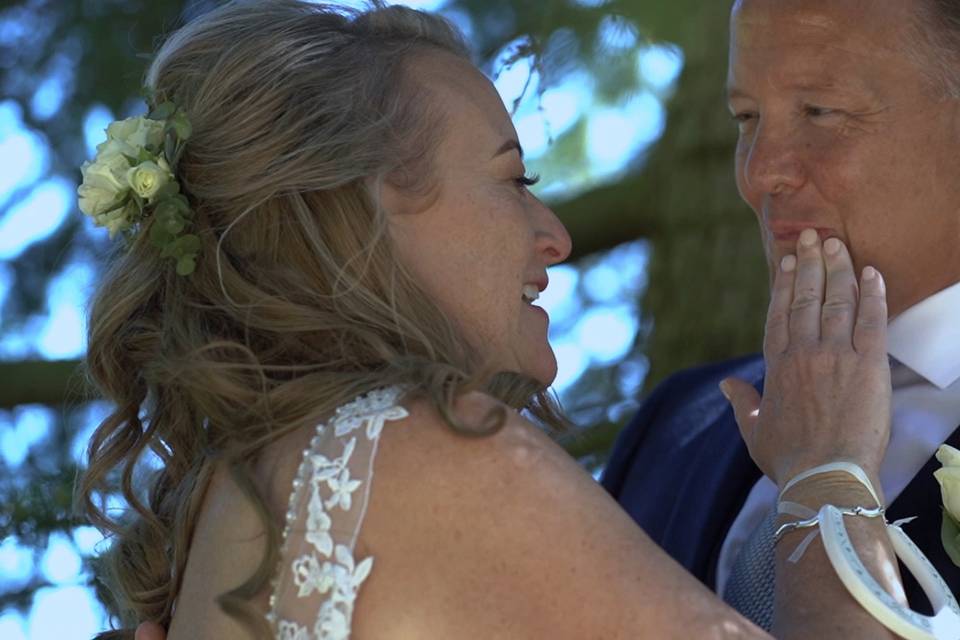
(318, 578)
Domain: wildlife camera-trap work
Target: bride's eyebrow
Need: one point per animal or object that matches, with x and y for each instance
(510, 145)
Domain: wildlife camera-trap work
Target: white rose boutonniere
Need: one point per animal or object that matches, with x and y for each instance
(949, 478)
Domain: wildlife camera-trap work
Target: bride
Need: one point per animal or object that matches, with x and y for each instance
(323, 327)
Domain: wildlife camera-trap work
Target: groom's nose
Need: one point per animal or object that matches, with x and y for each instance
(772, 163)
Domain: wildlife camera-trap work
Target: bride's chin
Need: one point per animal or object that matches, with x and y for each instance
(539, 365)
(544, 369)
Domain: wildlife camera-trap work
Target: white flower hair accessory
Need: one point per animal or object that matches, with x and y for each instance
(133, 178)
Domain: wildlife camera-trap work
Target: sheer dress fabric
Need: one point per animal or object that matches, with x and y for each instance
(319, 578)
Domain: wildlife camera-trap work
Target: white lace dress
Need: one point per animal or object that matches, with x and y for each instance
(319, 578)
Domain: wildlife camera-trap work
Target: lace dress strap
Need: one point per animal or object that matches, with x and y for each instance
(318, 578)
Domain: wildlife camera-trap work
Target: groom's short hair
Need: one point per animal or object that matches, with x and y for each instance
(937, 31)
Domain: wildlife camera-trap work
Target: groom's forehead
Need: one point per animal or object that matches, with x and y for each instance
(880, 21)
(822, 45)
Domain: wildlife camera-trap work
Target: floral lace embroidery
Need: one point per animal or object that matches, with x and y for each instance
(374, 409)
(327, 567)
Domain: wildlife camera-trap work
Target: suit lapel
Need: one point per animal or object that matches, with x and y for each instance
(736, 491)
(681, 470)
(731, 495)
(723, 487)
(921, 498)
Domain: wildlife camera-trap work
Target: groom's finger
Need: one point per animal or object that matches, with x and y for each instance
(839, 310)
(776, 336)
(808, 291)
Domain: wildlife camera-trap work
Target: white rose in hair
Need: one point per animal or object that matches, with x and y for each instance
(117, 219)
(137, 132)
(114, 149)
(148, 177)
(104, 184)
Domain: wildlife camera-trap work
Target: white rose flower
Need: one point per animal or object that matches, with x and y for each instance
(95, 200)
(949, 478)
(148, 177)
(115, 148)
(104, 184)
(110, 171)
(118, 219)
(137, 132)
(948, 456)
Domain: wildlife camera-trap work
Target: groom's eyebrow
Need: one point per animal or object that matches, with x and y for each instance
(510, 145)
(734, 93)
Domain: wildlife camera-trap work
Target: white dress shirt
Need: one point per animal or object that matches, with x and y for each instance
(924, 343)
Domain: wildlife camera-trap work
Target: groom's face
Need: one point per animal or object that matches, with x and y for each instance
(843, 131)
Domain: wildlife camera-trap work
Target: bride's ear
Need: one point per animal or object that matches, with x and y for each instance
(392, 201)
(402, 192)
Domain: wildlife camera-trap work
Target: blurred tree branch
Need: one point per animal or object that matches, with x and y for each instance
(50, 382)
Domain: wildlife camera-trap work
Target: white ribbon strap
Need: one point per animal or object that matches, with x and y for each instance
(846, 467)
(943, 625)
(800, 511)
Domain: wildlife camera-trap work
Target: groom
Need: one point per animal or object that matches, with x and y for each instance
(849, 119)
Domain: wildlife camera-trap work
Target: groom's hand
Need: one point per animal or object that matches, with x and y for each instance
(150, 631)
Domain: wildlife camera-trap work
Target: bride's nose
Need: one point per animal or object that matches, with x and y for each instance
(552, 239)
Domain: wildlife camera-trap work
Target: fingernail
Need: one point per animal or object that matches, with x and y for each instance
(789, 263)
(869, 273)
(725, 390)
(808, 237)
(831, 246)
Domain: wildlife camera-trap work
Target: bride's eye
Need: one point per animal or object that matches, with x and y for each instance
(528, 180)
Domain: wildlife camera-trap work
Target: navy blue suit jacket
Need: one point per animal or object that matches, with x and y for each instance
(682, 472)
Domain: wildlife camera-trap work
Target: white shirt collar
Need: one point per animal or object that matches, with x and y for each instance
(926, 337)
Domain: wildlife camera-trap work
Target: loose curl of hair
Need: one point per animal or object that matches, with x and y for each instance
(298, 304)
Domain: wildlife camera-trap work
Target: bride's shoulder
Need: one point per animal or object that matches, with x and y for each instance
(419, 444)
(475, 533)
(433, 482)
(427, 442)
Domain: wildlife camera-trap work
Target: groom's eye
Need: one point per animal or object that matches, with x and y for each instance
(743, 118)
(815, 112)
